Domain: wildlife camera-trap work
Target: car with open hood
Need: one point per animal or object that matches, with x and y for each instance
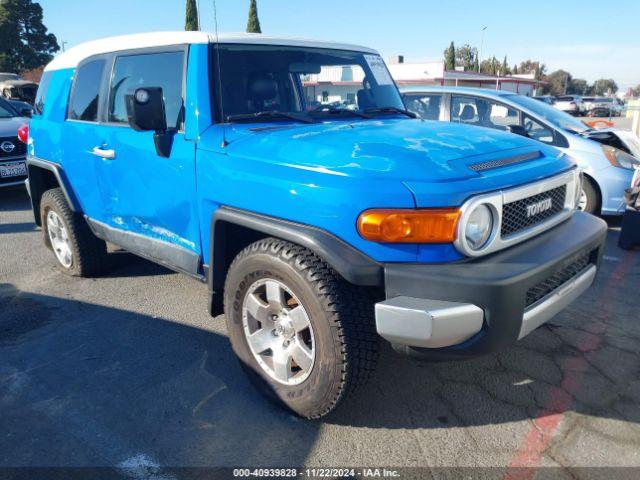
(13, 87)
(324, 217)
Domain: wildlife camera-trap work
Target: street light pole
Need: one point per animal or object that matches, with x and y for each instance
(481, 47)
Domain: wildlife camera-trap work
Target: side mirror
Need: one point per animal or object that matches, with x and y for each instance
(146, 113)
(518, 130)
(26, 112)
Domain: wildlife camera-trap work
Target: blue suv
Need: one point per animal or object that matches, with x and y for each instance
(323, 216)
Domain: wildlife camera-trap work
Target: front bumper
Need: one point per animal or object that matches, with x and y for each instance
(475, 307)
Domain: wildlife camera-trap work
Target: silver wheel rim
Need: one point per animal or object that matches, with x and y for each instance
(59, 238)
(278, 331)
(582, 204)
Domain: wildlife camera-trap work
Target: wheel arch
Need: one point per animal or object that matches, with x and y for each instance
(596, 186)
(44, 175)
(232, 230)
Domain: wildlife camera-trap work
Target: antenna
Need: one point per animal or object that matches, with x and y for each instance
(215, 19)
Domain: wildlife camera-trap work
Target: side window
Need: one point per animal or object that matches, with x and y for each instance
(425, 106)
(537, 131)
(38, 105)
(85, 92)
(163, 70)
(482, 113)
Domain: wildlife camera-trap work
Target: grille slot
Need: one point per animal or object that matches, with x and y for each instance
(555, 281)
(20, 149)
(516, 219)
(503, 162)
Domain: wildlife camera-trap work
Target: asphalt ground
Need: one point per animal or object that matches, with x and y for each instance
(129, 373)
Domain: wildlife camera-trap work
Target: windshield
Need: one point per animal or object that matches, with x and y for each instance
(551, 114)
(604, 100)
(6, 111)
(266, 83)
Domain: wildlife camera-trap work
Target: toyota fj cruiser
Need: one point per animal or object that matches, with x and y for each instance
(287, 174)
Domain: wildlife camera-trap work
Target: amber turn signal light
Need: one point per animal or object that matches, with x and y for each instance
(409, 226)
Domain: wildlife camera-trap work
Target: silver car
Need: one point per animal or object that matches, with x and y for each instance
(13, 170)
(571, 104)
(604, 155)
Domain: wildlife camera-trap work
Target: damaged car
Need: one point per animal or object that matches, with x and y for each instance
(14, 87)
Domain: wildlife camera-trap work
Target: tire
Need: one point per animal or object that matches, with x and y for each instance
(88, 254)
(592, 198)
(341, 317)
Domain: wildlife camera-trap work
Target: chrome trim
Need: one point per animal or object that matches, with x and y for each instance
(106, 154)
(12, 184)
(496, 200)
(427, 323)
(548, 307)
(19, 158)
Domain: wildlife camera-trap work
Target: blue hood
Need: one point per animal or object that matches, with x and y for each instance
(405, 150)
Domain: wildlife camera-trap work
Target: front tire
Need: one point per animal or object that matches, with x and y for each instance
(304, 335)
(78, 252)
(589, 198)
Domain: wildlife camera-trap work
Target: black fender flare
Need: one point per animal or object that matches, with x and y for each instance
(37, 186)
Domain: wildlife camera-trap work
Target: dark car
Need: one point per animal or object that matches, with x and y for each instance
(13, 170)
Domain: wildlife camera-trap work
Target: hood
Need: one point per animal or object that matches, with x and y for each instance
(9, 126)
(621, 139)
(396, 148)
(18, 83)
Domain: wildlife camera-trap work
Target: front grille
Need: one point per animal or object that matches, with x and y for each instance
(19, 148)
(544, 288)
(522, 214)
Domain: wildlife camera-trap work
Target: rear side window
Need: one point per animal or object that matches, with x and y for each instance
(85, 93)
(163, 70)
(38, 105)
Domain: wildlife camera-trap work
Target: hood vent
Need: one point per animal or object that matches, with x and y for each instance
(503, 162)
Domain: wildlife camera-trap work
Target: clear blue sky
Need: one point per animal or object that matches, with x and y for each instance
(591, 39)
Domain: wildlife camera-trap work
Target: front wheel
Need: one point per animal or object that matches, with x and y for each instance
(589, 198)
(304, 335)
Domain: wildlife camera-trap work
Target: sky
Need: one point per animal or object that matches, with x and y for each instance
(582, 37)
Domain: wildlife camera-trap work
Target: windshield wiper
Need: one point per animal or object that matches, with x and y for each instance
(391, 110)
(249, 117)
(338, 111)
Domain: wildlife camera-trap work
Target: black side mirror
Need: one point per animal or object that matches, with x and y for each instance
(26, 112)
(518, 130)
(146, 113)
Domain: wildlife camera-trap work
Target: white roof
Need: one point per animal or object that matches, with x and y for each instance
(72, 57)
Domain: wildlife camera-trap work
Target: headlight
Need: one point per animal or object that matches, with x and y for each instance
(479, 227)
(618, 158)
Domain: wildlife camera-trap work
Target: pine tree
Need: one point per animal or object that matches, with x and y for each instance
(253, 24)
(191, 20)
(504, 67)
(450, 57)
(25, 43)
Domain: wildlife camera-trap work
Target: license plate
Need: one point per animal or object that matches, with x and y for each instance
(13, 170)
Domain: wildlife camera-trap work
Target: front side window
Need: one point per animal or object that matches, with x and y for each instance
(482, 112)
(425, 106)
(165, 70)
(281, 82)
(538, 131)
(85, 92)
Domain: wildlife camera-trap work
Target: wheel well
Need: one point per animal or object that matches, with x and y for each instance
(40, 180)
(229, 240)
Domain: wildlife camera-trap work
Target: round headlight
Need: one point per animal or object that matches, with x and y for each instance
(479, 227)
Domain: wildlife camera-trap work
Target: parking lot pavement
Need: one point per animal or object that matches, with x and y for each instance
(128, 371)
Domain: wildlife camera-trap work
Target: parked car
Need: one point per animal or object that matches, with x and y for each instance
(317, 232)
(606, 156)
(588, 104)
(571, 104)
(13, 87)
(548, 99)
(605, 107)
(13, 170)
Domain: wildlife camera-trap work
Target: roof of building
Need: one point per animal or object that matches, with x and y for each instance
(72, 57)
(485, 92)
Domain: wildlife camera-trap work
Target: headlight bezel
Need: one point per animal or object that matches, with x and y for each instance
(488, 229)
(620, 159)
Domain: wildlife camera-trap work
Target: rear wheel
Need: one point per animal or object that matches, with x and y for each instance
(304, 335)
(77, 250)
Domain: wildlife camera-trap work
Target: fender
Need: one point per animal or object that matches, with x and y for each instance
(353, 265)
(37, 184)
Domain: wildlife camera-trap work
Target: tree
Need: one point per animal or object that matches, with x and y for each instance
(515, 69)
(557, 82)
(191, 23)
(253, 24)
(465, 56)
(578, 86)
(504, 67)
(636, 91)
(605, 86)
(476, 65)
(24, 41)
(528, 67)
(450, 57)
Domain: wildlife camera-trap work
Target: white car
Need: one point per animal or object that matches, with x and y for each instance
(571, 104)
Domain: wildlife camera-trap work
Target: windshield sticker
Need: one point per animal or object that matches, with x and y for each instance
(379, 70)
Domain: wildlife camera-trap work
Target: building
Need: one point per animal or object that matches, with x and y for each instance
(341, 84)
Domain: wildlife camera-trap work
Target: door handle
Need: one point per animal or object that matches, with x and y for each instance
(108, 154)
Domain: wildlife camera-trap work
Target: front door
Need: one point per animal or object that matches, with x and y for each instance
(149, 201)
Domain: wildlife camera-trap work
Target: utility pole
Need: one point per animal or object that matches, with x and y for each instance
(481, 47)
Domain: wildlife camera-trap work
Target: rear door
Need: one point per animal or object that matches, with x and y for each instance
(149, 201)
